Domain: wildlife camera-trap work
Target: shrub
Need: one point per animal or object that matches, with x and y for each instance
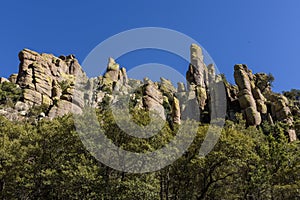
(10, 93)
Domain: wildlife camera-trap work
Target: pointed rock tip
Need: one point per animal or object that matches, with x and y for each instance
(195, 47)
(240, 66)
(25, 50)
(111, 61)
(112, 65)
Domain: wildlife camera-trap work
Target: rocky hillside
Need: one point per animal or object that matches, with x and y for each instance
(50, 82)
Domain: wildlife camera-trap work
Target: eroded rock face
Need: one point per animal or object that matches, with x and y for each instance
(37, 72)
(63, 107)
(51, 81)
(45, 78)
(198, 77)
(114, 77)
(176, 115)
(244, 80)
(153, 99)
(197, 72)
(254, 103)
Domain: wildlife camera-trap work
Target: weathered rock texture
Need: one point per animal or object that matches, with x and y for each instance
(59, 84)
(244, 80)
(49, 80)
(256, 105)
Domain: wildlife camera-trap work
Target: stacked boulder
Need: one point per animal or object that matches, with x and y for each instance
(60, 84)
(49, 80)
(280, 111)
(114, 78)
(244, 80)
(200, 79)
(197, 75)
(258, 102)
(153, 98)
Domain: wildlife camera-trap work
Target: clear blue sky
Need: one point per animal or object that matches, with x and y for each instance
(264, 34)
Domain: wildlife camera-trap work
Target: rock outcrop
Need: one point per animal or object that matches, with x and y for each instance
(61, 86)
(46, 79)
(244, 80)
(153, 99)
(114, 78)
(256, 105)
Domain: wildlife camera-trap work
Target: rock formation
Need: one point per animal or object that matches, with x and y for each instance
(244, 80)
(153, 99)
(60, 84)
(256, 105)
(46, 79)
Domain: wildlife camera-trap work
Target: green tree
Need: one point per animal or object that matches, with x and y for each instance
(10, 93)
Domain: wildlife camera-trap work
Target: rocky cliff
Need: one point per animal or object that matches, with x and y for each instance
(50, 81)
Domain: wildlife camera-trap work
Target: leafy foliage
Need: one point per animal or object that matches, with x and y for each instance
(293, 94)
(10, 93)
(48, 161)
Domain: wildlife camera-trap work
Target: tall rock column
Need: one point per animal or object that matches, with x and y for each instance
(247, 102)
(197, 76)
(153, 99)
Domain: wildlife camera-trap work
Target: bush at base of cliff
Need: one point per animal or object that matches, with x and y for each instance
(10, 93)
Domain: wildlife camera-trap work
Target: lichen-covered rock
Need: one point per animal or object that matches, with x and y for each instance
(167, 88)
(21, 106)
(211, 74)
(56, 90)
(246, 100)
(32, 97)
(253, 116)
(244, 80)
(198, 76)
(241, 77)
(262, 81)
(153, 99)
(46, 79)
(38, 71)
(54, 81)
(176, 111)
(261, 107)
(201, 96)
(12, 114)
(292, 135)
(197, 73)
(114, 77)
(64, 107)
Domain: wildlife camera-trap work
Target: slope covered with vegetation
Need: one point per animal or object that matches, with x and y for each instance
(46, 160)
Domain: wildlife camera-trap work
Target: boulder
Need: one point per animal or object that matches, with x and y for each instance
(64, 107)
(253, 117)
(21, 106)
(241, 77)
